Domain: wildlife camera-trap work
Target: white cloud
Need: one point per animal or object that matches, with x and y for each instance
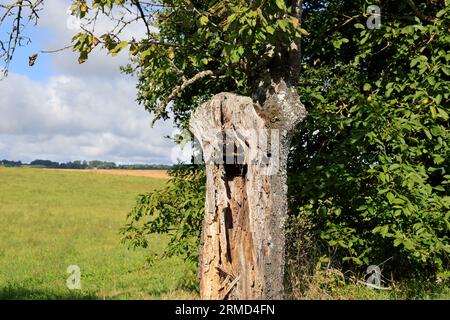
(82, 112)
(71, 118)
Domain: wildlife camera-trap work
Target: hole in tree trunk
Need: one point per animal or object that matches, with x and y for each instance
(236, 170)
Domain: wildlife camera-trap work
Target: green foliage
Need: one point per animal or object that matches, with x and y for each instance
(237, 40)
(371, 166)
(176, 210)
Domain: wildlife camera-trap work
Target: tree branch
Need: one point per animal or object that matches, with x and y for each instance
(417, 12)
(15, 16)
(142, 14)
(177, 90)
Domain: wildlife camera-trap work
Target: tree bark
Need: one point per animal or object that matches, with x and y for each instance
(245, 144)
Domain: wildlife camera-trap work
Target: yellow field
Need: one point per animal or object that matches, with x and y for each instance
(158, 174)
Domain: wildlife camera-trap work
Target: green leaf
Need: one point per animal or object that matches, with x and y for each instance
(281, 4)
(270, 29)
(427, 132)
(338, 43)
(83, 57)
(433, 111)
(134, 48)
(390, 196)
(389, 92)
(283, 24)
(304, 32)
(398, 201)
(440, 13)
(442, 114)
(171, 54)
(203, 20)
(438, 99)
(118, 47)
(397, 242)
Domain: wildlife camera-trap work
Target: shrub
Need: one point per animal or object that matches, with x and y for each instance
(368, 171)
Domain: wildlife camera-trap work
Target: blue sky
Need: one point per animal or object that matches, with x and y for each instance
(43, 69)
(62, 111)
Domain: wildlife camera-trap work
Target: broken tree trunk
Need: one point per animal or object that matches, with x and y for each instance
(245, 146)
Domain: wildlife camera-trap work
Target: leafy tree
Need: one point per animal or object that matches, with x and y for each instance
(9, 163)
(249, 48)
(96, 164)
(369, 168)
(44, 163)
(177, 210)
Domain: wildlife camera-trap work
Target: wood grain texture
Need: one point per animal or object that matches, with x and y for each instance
(242, 247)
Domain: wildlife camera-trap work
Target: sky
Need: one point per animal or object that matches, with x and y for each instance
(62, 111)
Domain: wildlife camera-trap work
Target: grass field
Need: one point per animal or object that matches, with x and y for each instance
(52, 219)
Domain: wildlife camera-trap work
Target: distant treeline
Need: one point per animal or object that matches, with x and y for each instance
(78, 164)
(7, 163)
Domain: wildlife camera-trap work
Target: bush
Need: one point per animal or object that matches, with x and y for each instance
(368, 174)
(370, 166)
(176, 210)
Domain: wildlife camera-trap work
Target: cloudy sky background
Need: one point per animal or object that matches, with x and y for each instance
(62, 111)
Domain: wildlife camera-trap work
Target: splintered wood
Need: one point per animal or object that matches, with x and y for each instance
(245, 152)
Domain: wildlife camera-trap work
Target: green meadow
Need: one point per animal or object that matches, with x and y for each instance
(52, 219)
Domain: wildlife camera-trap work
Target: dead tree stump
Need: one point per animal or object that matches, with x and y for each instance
(245, 147)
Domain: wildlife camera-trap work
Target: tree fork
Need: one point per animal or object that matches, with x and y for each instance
(242, 246)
